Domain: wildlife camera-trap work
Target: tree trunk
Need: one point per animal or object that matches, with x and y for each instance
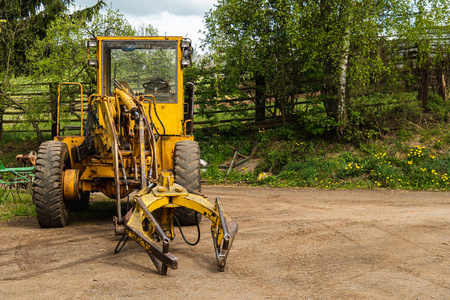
(424, 83)
(442, 87)
(53, 89)
(342, 95)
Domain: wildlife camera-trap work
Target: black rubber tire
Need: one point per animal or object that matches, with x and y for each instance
(52, 159)
(186, 167)
(80, 205)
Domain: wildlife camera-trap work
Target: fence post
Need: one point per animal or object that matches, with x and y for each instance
(53, 89)
(2, 110)
(260, 98)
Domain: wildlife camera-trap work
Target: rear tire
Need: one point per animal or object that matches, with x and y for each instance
(186, 166)
(52, 159)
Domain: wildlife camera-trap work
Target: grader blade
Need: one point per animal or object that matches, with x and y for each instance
(159, 255)
(151, 224)
(229, 229)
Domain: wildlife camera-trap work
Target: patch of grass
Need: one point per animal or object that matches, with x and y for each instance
(390, 163)
(13, 204)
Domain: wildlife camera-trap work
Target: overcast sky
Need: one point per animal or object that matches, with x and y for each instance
(169, 17)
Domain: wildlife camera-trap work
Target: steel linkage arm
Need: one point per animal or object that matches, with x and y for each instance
(151, 225)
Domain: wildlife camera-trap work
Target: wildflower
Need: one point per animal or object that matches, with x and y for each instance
(409, 162)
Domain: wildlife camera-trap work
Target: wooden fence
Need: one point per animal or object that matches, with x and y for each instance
(40, 102)
(14, 120)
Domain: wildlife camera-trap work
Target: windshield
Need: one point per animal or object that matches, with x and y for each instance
(144, 67)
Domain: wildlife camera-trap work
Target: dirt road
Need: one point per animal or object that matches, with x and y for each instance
(291, 244)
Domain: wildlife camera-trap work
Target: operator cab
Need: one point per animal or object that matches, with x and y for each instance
(143, 67)
(147, 67)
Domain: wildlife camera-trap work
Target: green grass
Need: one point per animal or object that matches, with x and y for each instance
(289, 161)
(13, 204)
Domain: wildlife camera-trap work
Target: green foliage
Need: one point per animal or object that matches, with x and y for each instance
(286, 160)
(439, 108)
(345, 54)
(373, 115)
(26, 23)
(251, 48)
(61, 55)
(314, 119)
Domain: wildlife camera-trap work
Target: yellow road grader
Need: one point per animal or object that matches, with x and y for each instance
(136, 136)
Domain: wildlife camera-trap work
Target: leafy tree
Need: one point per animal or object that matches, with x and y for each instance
(253, 48)
(64, 47)
(26, 22)
(331, 48)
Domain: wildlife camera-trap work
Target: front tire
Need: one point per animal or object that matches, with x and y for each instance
(52, 159)
(186, 166)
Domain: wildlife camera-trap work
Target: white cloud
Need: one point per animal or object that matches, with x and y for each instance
(169, 24)
(169, 17)
(176, 7)
(154, 7)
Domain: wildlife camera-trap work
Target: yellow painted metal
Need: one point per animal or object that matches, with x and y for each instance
(71, 141)
(185, 125)
(166, 146)
(102, 170)
(122, 159)
(171, 114)
(70, 185)
(126, 99)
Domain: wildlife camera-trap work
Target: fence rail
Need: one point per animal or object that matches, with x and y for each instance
(14, 120)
